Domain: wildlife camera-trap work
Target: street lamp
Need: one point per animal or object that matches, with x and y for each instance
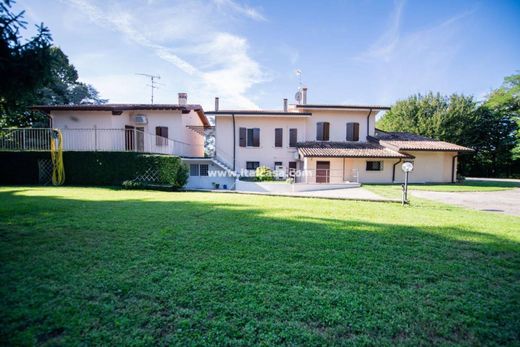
(407, 167)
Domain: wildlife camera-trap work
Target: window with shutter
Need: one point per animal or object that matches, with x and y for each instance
(242, 137)
(322, 131)
(352, 131)
(293, 137)
(278, 137)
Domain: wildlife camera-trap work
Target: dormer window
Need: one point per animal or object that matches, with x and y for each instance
(352, 131)
(322, 131)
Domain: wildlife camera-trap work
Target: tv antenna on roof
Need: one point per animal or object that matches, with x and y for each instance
(153, 83)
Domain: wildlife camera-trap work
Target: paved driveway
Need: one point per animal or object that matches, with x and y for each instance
(504, 201)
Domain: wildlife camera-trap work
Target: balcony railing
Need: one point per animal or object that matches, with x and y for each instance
(95, 139)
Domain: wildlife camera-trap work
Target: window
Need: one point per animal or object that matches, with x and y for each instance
(352, 131)
(252, 165)
(322, 131)
(162, 136)
(293, 137)
(204, 169)
(277, 164)
(249, 137)
(194, 169)
(374, 166)
(278, 137)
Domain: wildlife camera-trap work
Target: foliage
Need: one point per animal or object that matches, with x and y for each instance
(461, 120)
(115, 267)
(95, 168)
(170, 170)
(34, 72)
(24, 67)
(263, 173)
(506, 100)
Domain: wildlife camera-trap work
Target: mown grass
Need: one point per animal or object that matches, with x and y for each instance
(102, 266)
(394, 190)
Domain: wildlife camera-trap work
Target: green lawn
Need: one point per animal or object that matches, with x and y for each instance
(112, 267)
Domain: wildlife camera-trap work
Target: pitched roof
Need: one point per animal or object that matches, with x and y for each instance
(259, 113)
(125, 107)
(403, 141)
(352, 107)
(347, 150)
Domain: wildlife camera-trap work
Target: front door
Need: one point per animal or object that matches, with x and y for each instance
(322, 172)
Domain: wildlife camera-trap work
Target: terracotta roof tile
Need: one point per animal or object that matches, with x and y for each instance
(347, 150)
(402, 141)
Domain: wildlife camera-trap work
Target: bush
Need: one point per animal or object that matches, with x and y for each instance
(95, 168)
(263, 173)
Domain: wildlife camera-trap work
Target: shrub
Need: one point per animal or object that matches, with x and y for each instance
(94, 168)
(263, 173)
(161, 169)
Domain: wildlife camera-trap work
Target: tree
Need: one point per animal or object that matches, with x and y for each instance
(506, 100)
(459, 119)
(64, 87)
(34, 72)
(24, 67)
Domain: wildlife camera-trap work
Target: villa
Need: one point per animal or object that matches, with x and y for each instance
(318, 146)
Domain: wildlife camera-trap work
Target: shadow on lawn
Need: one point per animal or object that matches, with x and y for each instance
(195, 272)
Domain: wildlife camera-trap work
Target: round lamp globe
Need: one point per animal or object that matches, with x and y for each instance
(407, 167)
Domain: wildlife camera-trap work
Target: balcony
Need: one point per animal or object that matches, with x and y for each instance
(95, 139)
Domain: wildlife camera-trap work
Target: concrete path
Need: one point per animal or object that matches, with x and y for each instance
(334, 194)
(503, 201)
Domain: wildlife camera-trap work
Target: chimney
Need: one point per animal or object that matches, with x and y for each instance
(304, 95)
(183, 98)
(216, 103)
(285, 105)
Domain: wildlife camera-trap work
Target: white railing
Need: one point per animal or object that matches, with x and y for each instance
(95, 139)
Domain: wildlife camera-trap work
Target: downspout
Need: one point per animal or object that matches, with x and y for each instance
(368, 122)
(453, 168)
(393, 171)
(234, 141)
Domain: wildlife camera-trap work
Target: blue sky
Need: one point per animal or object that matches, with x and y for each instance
(246, 52)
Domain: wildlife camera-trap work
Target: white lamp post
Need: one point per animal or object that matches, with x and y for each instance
(407, 167)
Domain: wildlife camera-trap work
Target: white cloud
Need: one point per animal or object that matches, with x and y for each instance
(215, 62)
(386, 44)
(241, 9)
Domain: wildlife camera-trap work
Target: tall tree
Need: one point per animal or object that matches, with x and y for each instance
(63, 86)
(506, 100)
(459, 119)
(34, 72)
(24, 67)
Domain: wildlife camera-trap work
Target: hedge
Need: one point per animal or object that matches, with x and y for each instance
(94, 168)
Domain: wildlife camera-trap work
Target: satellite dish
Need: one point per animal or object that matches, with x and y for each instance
(298, 96)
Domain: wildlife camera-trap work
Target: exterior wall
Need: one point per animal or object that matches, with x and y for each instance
(338, 123)
(351, 170)
(267, 154)
(432, 167)
(206, 182)
(185, 141)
